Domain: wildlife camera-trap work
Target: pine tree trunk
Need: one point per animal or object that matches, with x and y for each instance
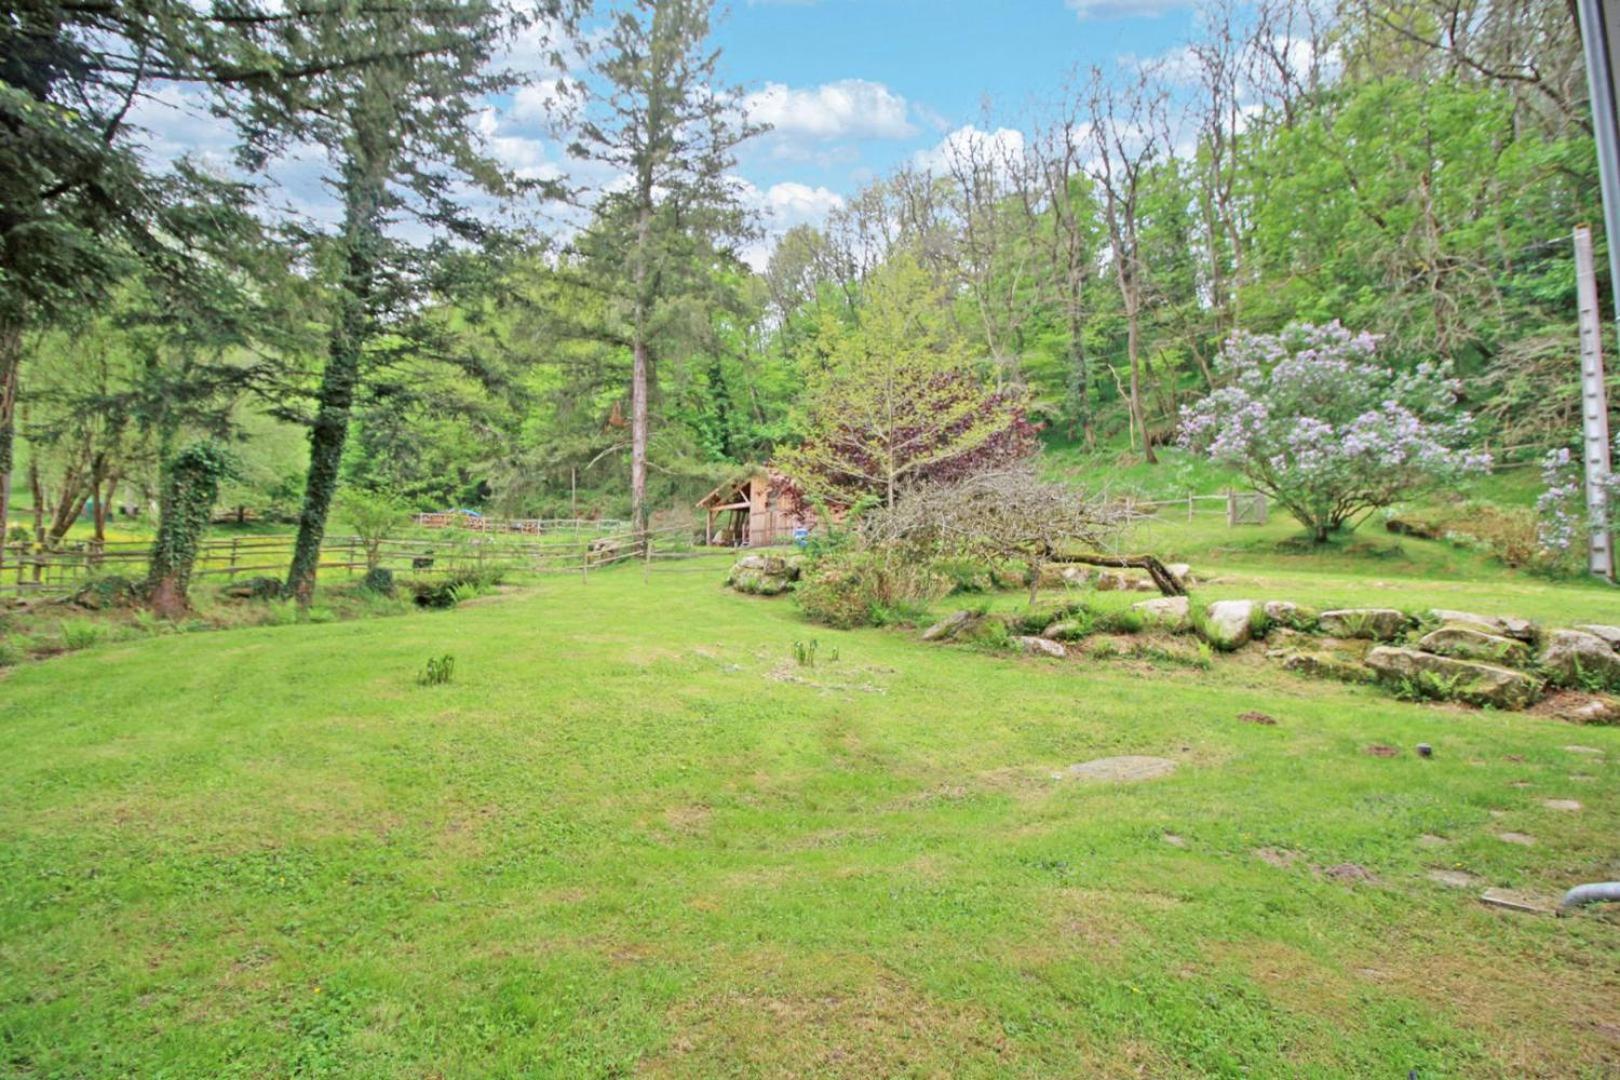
(638, 438)
(362, 232)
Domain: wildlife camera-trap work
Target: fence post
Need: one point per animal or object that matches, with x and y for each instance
(1231, 508)
(1189, 507)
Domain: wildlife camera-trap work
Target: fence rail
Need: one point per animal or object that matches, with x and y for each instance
(1239, 507)
(33, 570)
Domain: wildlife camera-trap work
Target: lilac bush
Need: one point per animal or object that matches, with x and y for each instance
(1561, 517)
(1326, 429)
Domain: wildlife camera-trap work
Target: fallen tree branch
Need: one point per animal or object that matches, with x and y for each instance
(1163, 578)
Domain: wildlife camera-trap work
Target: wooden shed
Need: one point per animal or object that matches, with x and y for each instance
(755, 509)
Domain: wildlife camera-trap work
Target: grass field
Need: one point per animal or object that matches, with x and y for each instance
(635, 836)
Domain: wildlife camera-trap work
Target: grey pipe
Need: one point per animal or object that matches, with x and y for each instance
(1589, 894)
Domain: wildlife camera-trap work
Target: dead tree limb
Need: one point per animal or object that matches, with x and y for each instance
(1167, 582)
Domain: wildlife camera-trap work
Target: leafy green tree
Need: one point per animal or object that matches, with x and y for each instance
(898, 402)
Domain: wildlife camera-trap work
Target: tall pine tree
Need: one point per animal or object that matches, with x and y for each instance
(661, 119)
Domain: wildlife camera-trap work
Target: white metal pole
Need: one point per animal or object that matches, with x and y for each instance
(1594, 407)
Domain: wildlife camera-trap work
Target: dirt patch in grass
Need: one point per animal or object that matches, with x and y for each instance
(829, 1016)
(1533, 1017)
(1278, 857)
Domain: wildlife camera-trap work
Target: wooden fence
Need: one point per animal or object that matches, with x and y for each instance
(1238, 507)
(30, 570)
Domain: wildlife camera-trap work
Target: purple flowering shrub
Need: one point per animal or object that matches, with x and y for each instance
(1328, 430)
(1562, 518)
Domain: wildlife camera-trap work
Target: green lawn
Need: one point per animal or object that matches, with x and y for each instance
(634, 836)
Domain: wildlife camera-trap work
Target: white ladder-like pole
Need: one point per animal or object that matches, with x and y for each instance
(1594, 407)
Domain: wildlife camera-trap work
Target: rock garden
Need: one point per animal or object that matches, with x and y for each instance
(1437, 654)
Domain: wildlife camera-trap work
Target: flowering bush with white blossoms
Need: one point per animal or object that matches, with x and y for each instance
(1562, 519)
(1325, 428)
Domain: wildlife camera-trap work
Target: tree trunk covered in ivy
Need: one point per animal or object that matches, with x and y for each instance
(363, 193)
(190, 487)
(10, 366)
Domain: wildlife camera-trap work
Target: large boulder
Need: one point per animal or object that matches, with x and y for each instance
(1503, 625)
(1580, 660)
(1373, 624)
(1039, 646)
(1182, 572)
(1166, 613)
(764, 575)
(949, 626)
(1464, 641)
(1462, 680)
(1229, 624)
(1611, 634)
(1289, 614)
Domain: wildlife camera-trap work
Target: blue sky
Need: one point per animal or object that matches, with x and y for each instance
(857, 86)
(853, 87)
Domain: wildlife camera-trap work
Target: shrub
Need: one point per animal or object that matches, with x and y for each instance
(449, 591)
(874, 587)
(1316, 421)
(379, 580)
(374, 516)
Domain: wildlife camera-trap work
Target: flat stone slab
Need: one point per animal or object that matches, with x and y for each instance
(1173, 840)
(1127, 769)
(1464, 680)
(1430, 840)
(1573, 749)
(1378, 624)
(1515, 900)
(1456, 879)
(1461, 642)
(1611, 634)
(1520, 629)
(1570, 805)
(1522, 839)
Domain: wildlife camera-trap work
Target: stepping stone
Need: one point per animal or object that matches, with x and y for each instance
(1583, 750)
(1522, 839)
(1350, 874)
(1173, 840)
(1561, 804)
(1456, 879)
(1430, 840)
(1514, 900)
(1127, 769)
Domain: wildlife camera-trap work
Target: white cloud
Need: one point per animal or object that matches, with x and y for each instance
(846, 109)
(1124, 9)
(969, 144)
(781, 207)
